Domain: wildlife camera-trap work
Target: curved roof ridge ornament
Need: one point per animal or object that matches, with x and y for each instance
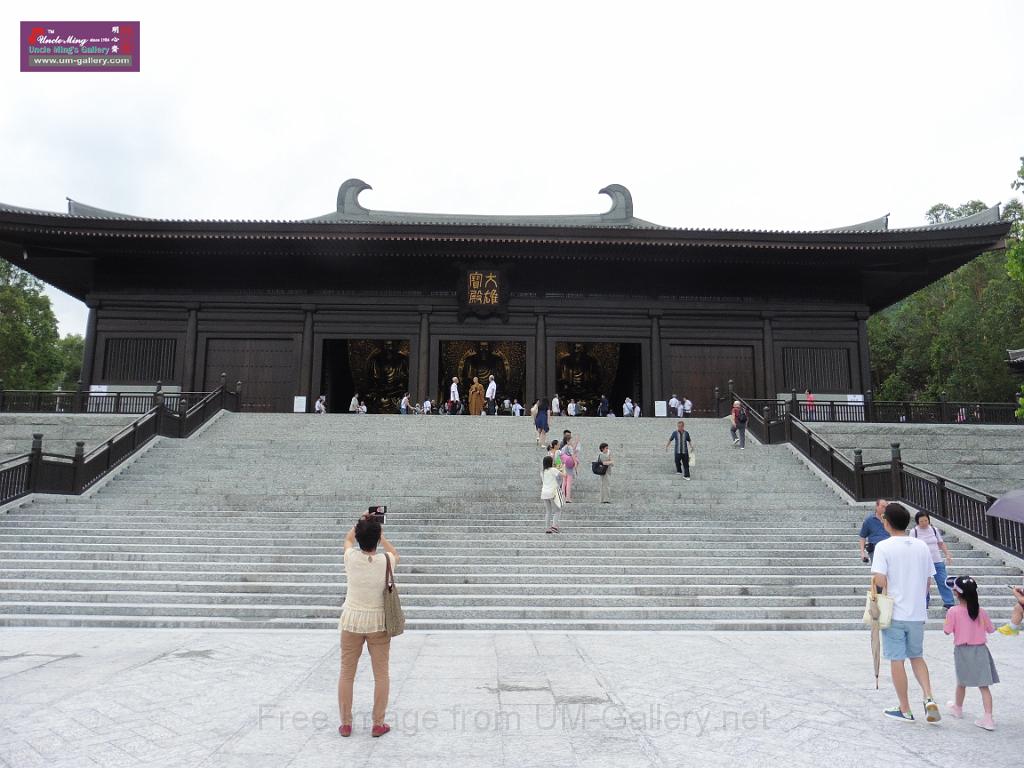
(988, 216)
(348, 199)
(622, 203)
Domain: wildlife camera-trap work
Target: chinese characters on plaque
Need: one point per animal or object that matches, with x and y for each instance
(484, 292)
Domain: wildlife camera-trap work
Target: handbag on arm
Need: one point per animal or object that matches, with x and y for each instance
(394, 618)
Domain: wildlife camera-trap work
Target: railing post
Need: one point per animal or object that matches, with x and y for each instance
(896, 467)
(79, 401)
(943, 410)
(158, 403)
(941, 511)
(794, 404)
(35, 462)
(223, 388)
(869, 406)
(182, 413)
(718, 403)
(858, 473)
(787, 420)
(767, 426)
(1, 395)
(79, 467)
(831, 462)
(117, 402)
(238, 395)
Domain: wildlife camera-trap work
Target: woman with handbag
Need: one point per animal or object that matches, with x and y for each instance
(367, 570)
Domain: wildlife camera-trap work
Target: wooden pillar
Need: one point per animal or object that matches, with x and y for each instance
(768, 382)
(188, 376)
(657, 386)
(423, 370)
(306, 367)
(89, 356)
(540, 359)
(864, 352)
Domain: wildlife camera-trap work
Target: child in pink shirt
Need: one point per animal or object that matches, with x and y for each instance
(969, 625)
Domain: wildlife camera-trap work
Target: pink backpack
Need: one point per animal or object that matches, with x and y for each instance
(568, 460)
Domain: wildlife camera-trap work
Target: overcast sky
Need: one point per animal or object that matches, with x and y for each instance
(785, 115)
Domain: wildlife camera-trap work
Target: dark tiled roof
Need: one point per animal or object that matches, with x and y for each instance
(618, 217)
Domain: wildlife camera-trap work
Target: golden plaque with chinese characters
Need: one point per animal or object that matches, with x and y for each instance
(483, 293)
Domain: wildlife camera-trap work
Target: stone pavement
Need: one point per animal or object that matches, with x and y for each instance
(225, 698)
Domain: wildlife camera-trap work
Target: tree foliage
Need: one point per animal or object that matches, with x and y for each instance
(32, 354)
(952, 336)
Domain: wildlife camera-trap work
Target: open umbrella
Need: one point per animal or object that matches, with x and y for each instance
(1009, 506)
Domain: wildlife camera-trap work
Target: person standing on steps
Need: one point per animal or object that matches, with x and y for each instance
(930, 535)
(605, 458)
(491, 396)
(738, 428)
(405, 407)
(453, 397)
(353, 406)
(321, 405)
(476, 397)
(872, 531)
(683, 446)
(540, 421)
(517, 408)
(570, 459)
(550, 479)
(604, 407)
(903, 567)
(556, 406)
(362, 619)
(675, 407)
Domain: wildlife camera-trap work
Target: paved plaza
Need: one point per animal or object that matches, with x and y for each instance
(262, 699)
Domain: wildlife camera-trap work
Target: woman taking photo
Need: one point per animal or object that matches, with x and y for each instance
(362, 619)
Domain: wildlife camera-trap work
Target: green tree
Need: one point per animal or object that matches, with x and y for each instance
(1014, 212)
(32, 354)
(952, 336)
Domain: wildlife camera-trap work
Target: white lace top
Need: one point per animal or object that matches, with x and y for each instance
(363, 609)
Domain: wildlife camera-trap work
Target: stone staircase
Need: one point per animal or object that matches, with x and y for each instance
(60, 431)
(241, 526)
(989, 458)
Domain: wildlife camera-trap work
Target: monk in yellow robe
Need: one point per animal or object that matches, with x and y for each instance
(476, 398)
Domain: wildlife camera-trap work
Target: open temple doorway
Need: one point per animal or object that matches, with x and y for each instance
(584, 371)
(505, 360)
(376, 369)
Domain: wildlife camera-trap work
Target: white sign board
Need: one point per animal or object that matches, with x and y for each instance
(300, 405)
(661, 408)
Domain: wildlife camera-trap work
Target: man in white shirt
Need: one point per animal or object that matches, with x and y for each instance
(353, 406)
(571, 408)
(517, 408)
(636, 410)
(556, 407)
(903, 567)
(627, 407)
(426, 406)
(453, 396)
(492, 396)
(674, 406)
(686, 405)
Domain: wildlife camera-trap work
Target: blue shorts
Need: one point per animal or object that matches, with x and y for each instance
(903, 640)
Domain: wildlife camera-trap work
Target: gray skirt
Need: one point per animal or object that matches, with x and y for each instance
(974, 666)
